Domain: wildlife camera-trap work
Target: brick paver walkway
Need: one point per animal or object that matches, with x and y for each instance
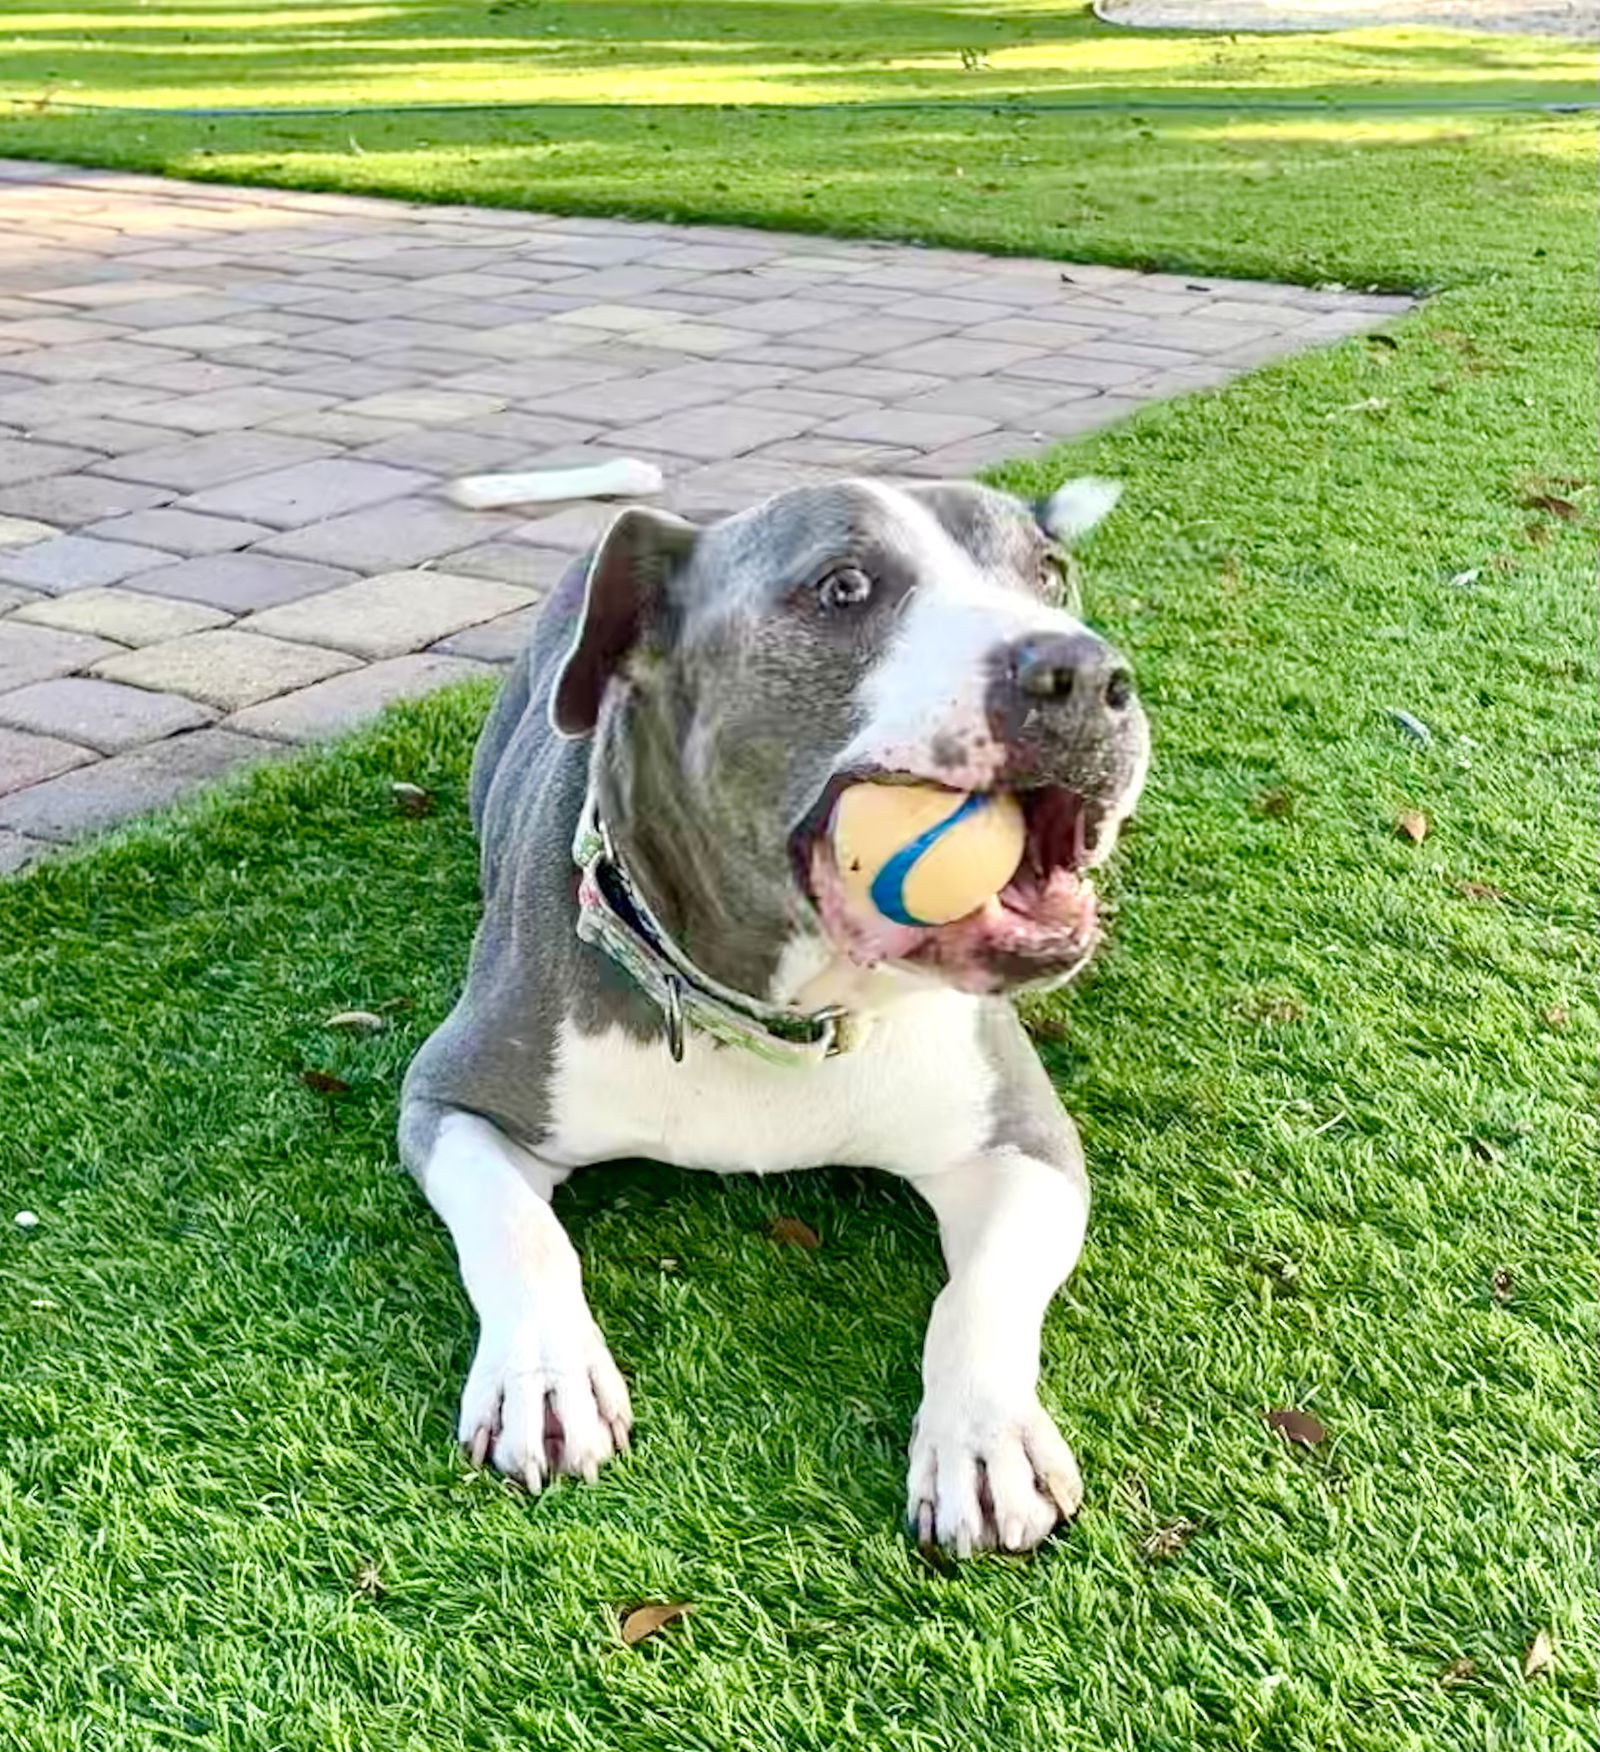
(1569, 18)
(226, 416)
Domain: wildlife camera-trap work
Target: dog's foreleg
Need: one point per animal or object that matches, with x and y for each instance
(988, 1466)
(543, 1396)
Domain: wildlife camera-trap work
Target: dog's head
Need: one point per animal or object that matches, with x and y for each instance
(737, 677)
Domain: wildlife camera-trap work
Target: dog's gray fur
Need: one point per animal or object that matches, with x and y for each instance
(689, 677)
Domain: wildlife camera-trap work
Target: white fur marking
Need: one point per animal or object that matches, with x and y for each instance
(1011, 1228)
(538, 1345)
(930, 689)
(813, 975)
(914, 1094)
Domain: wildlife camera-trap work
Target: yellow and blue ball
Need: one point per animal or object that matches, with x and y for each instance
(924, 855)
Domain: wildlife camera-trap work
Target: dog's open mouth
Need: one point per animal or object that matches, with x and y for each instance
(1042, 926)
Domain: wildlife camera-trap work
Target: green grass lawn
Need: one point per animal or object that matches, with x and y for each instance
(1337, 1087)
(756, 111)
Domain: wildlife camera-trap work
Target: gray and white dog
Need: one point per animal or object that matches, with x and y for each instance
(666, 965)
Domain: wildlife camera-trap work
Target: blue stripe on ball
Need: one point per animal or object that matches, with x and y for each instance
(888, 886)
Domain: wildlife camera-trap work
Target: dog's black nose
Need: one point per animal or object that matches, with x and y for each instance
(1073, 666)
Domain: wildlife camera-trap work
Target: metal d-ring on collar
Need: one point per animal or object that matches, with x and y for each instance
(672, 1015)
(614, 917)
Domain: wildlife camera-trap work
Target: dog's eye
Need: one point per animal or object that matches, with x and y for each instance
(844, 587)
(1058, 580)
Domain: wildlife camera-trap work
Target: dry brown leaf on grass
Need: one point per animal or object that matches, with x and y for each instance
(1556, 1016)
(1502, 1284)
(1271, 1007)
(638, 1622)
(1282, 1275)
(1474, 360)
(1540, 1656)
(325, 1083)
(1169, 1540)
(1297, 1426)
(1479, 890)
(938, 1562)
(1459, 1671)
(1412, 824)
(411, 799)
(1554, 504)
(1050, 1030)
(791, 1232)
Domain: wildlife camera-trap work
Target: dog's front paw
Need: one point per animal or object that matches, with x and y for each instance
(544, 1397)
(986, 1477)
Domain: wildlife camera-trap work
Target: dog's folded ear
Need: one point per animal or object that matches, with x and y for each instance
(622, 592)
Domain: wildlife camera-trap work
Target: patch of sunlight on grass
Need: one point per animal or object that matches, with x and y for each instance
(1452, 56)
(1409, 131)
(1558, 142)
(486, 80)
(733, 52)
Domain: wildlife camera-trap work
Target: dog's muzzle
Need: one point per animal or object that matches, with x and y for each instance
(1062, 709)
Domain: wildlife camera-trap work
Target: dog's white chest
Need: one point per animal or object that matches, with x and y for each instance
(915, 1093)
